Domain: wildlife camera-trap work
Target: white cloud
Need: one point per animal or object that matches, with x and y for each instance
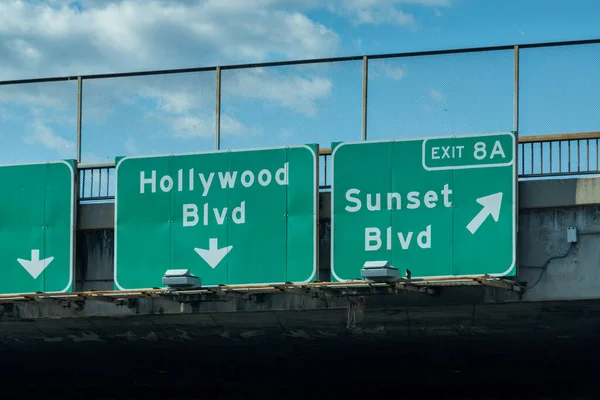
(353, 4)
(232, 127)
(286, 133)
(190, 127)
(386, 69)
(53, 38)
(44, 135)
(181, 95)
(176, 98)
(378, 12)
(291, 91)
(131, 146)
(187, 127)
(40, 133)
(61, 96)
(56, 37)
(436, 95)
(390, 16)
(24, 50)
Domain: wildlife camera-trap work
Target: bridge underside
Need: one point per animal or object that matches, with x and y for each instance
(391, 345)
(453, 367)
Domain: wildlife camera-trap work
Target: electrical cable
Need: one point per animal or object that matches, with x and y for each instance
(547, 263)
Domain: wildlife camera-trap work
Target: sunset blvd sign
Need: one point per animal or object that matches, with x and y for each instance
(439, 207)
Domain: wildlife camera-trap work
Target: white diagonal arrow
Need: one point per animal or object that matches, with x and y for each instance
(214, 254)
(491, 206)
(35, 266)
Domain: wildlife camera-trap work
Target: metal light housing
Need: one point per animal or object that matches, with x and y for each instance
(379, 271)
(181, 279)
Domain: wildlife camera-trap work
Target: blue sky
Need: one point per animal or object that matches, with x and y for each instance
(321, 103)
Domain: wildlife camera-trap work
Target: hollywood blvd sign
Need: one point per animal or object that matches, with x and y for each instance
(230, 217)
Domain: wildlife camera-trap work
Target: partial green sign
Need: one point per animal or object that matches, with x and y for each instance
(230, 217)
(438, 207)
(37, 227)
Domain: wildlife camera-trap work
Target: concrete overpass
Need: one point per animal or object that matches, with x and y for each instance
(486, 331)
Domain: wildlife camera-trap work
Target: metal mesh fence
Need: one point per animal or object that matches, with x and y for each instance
(149, 114)
(38, 121)
(293, 104)
(448, 94)
(409, 96)
(558, 93)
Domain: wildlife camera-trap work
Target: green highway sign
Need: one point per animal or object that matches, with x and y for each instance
(230, 217)
(36, 227)
(438, 207)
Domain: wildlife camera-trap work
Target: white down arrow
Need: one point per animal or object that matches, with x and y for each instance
(35, 266)
(213, 256)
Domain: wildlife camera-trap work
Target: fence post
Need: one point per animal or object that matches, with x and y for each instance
(218, 112)
(79, 107)
(516, 150)
(364, 96)
(516, 92)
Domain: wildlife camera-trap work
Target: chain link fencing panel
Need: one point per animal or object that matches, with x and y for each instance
(558, 93)
(148, 115)
(440, 95)
(292, 104)
(38, 121)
